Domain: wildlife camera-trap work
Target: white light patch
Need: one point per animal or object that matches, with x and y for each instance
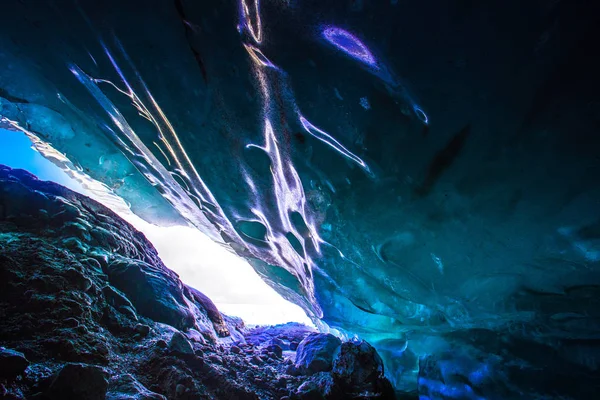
(227, 279)
(364, 103)
(438, 262)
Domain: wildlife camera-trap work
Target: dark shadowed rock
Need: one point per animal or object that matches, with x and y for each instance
(275, 349)
(315, 353)
(256, 360)
(205, 303)
(180, 345)
(142, 330)
(359, 369)
(195, 336)
(126, 387)
(155, 293)
(118, 300)
(317, 387)
(79, 381)
(12, 363)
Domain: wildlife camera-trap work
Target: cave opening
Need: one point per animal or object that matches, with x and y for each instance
(422, 178)
(227, 279)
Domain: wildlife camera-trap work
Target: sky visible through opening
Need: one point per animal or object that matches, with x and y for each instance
(227, 279)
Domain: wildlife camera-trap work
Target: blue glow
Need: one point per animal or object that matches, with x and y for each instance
(16, 151)
(350, 44)
(421, 114)
(454, 390)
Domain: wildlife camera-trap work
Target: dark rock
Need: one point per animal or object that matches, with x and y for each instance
(235, 350)
(212, 312)
(275, 349)
(12, 363)
(294, 346)
(256, 360)
(13, 396)
(283, 343)
(292, 370)
(315, 353)
(282, 382)
(129, 311)
(119, 322)
(180, 345)
(317, 387)
(195, 336)
(142, 329)
(126, 387)
(195, 362)
(358, 368)
(40, 376)
(215, 359)
(79, 381)
(77, 280)
(154, 291)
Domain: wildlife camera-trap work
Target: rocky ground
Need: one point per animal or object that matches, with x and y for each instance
(88, 311)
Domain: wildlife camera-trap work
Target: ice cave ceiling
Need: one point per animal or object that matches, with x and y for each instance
(398, 168)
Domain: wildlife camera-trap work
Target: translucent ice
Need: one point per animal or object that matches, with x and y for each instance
(473, 208)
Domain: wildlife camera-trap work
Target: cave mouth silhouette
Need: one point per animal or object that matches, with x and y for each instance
(226, 278)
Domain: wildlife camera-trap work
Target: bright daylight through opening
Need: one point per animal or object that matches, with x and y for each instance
(227, 279)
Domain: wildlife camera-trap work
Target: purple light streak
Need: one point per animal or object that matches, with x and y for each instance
(350, 44)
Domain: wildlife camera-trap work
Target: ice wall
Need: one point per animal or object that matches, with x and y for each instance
(405, 171)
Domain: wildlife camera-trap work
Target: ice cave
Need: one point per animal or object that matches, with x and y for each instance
(299, 199)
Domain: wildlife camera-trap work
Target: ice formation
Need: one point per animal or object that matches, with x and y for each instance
(460, 229)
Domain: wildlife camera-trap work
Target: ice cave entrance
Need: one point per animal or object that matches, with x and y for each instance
(227, 279)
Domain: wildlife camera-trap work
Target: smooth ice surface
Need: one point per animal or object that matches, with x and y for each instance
(463, 199)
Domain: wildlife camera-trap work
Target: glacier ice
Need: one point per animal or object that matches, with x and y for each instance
(463, 201)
